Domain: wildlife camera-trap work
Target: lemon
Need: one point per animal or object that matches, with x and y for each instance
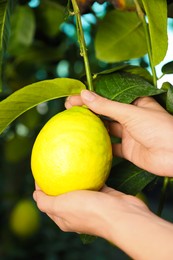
(24, 218)
(72, 152)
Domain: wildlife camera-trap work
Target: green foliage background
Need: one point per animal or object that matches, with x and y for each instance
(39, 49)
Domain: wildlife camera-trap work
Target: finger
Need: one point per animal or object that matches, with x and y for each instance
(67, 104)
(73, 101)
(111, 191)
(117, 150)
(53, 217)
(56, 205)
(103, 106)
(59, 222)
(148, 102)
(44, 202)
(37, 187)
(115, 129)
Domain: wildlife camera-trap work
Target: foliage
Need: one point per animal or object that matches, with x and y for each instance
(156, 29)
(127, 26)
(34, 94)
(6, 8)
(40, 64)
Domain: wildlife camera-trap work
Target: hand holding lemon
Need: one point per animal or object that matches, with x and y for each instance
(110, 214)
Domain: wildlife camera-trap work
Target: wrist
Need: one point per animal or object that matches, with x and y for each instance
(141, 234)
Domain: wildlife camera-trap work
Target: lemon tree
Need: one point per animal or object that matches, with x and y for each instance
(72, 152)
(42, 66)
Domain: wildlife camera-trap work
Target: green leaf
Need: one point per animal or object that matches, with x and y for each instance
(119, 66)
(87, 239)
(124, 87)
(50, 15)
(22, 29)
(128, 68)
(34, 94)
(41, 53)
(156, 12)
(166, 85)
(168, 68)
(6, 8)
(169, 100)
(143, 73)
(120, 37)
(128, 178)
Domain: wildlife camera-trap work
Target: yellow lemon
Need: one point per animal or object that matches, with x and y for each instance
(72, 152)
(24, 218)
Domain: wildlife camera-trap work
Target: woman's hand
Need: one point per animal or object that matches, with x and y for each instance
(146, 130)
(121, 219)
(88, 212)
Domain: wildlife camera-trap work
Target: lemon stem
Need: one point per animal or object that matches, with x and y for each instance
(148, 40)
(82, 44)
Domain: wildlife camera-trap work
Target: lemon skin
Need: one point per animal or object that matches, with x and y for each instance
(73, 151)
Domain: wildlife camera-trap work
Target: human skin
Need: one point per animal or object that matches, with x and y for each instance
(146, 130)
(119, 218)
(145, 127)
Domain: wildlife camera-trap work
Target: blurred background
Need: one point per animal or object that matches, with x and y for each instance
(43, 46)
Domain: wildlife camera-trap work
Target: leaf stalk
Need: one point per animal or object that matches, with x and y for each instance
(82, 44)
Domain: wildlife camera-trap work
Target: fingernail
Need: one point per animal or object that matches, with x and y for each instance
(88, 95)
(67, 103)
(68, 98)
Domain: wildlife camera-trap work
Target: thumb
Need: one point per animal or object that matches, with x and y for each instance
(45, 203)
(103, 106)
